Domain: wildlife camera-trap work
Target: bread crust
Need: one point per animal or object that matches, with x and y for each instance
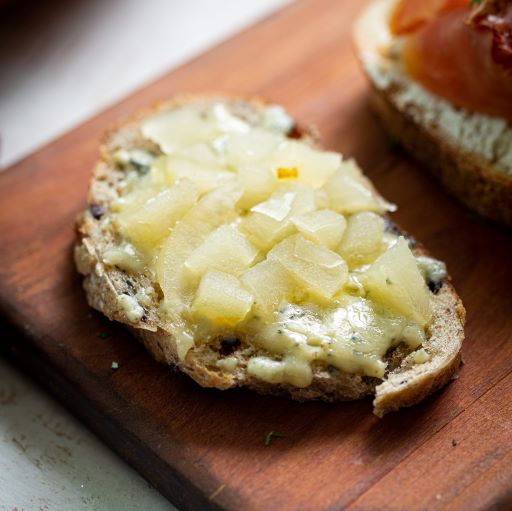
(405, 385)
(476, 181)
(467, 176)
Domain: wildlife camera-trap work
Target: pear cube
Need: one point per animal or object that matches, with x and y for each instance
(258, 183)
(221, 299)
(224, 249)
(205, 175)
(363, 241)
(270, 221)
(304, 163)
(350, 191)
(148, 226)
(319, 270)
(270, 284)
(211, 211)
(254, 146)
(395, 281)
(324, 227)
(177, 128)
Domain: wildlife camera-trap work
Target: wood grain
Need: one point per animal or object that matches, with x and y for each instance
(205, 449)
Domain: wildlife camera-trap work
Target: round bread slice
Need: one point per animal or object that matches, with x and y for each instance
(470, 153)
(406, 381)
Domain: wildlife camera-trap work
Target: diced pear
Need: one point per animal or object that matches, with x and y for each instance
(257, 145)
(179, 127)
(148, 226)
(321, 199)
(270, 284)
(324, 227)
(159, 173)
(314, 167)
(350, 191)
(319, 270)
(362, 242)
(221, 299)
(269, 221)
(395, 281)
(258, 183)
(200, 153)
(224, 249)
(347, 195)
(196, 162)
(277, 207)
(214, 209)
(136, 198)
(305, 198)
(206, 176)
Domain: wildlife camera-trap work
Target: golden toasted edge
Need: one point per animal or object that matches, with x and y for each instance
(411, 383)
(103, 286)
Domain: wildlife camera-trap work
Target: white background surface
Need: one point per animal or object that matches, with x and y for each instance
(66, 60)
(61, 62)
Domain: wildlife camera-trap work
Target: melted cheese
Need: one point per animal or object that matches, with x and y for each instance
(352, 335)
(131, 307)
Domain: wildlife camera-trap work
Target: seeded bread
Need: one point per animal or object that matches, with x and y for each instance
(406, 382)
(470, 153)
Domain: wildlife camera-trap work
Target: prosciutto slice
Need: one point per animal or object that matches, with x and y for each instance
(461, 52)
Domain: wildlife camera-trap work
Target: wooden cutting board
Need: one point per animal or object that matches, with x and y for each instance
(204, 449)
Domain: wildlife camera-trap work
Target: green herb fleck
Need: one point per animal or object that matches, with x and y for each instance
(393, 143)
(474, 217)
(388, 281)
(104, 335)
(475, 2)
(114, 365)
(280, 331)
(270, 435)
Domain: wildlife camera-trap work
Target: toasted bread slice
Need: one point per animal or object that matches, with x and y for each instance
(470, 153)
(129, 291)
